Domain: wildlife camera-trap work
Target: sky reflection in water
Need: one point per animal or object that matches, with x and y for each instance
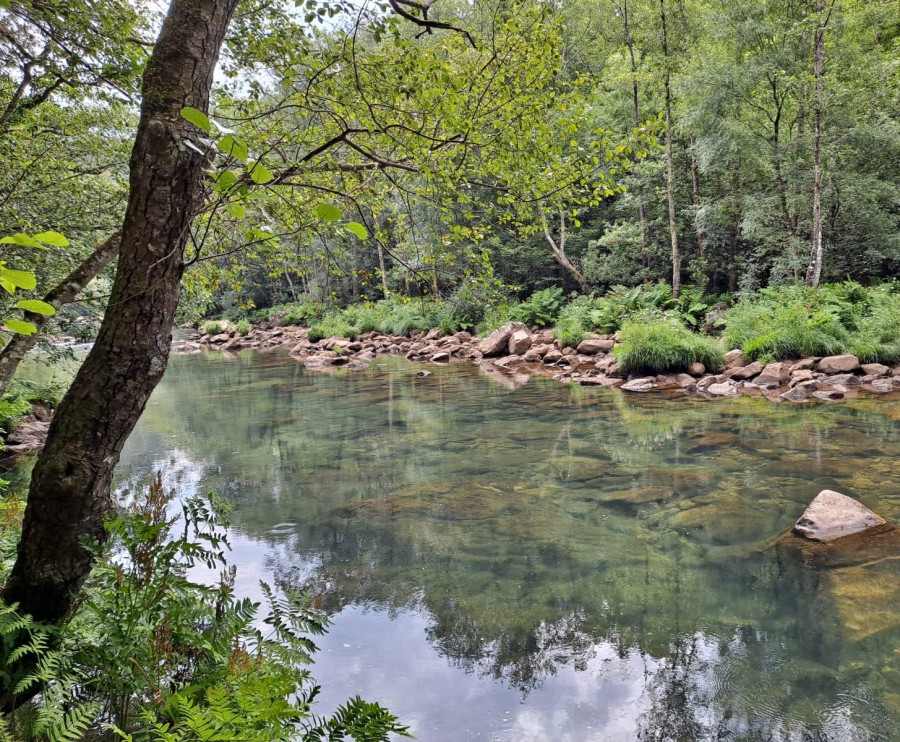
(549, 562)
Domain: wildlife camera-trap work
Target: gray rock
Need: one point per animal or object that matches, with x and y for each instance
(640, 385)
(519, 342)
(746, 372)
(497, 342)
(875, 369)
(735, 359)
(838, 364)
(696, 369)
(780, 372)
(832, 515)
(723, 389)
(592, 346)
(829, 396)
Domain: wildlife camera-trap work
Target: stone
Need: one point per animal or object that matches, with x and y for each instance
(800, 376)
(221, 338)
(640, 385)
(497, 342)
(532, 356)
(592, 346)
(686, 382)
(844, 380)
(28, 435)
(519, 342)
(696, 369)
(742, 373)
(735, 359)
(831, 516)
(842, 364)
(423, 374)
(799, 393)
(723, 389)
(807, 364)
(441, 357)
(553, 356)
(828, 396)
(780, 372)
(882, 385)
(463, 337)
(895, 371)
(875, 369)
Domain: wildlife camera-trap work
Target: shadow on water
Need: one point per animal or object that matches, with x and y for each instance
(587, 565)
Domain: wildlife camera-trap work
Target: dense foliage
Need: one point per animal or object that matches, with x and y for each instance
(154, 655)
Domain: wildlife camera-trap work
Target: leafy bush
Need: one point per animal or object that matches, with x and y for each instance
(778, 324)
(213, 327)
(242, 327)
(577, 319)
(12, 407)
(877, 339)
(660, 343)
(542, 308)
(153, 656)
(333, 325)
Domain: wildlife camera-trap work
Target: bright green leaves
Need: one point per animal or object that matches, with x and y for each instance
(233, 147)
(328, 212)
(36, 307)
(20, 326)
(358, 229)
(40, 241)
(12, 279)
(197, 118)
(261, 175)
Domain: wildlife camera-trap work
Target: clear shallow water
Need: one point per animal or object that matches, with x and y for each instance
(549, 562)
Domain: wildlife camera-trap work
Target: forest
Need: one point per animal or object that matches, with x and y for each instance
(688, 177)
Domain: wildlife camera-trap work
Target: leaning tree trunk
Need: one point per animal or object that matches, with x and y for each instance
(65, 291)
(814, 270)
(670, 160)
(558, 246)
(69, 498)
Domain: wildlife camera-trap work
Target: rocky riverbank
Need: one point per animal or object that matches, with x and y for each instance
(514, 353)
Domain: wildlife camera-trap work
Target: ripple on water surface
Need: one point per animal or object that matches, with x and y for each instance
(533, 561)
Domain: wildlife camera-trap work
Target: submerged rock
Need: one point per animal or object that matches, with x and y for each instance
(832, 515)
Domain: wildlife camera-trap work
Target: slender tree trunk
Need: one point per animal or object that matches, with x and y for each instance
(558, 246)
(69, 498)
(636, 115)
(65, 291)
(814, 271)
(670, 159)
(695, 183)
(381, 268)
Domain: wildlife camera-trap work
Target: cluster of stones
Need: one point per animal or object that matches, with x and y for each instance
(523, 351)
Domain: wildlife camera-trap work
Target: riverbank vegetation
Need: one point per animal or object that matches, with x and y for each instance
(635, 167)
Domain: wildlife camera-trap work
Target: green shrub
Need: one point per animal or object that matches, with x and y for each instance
(213, 327)
(779, 325)
(542, 308)
(243, 327)
(660, 343)
(577, 319)
(153, 656)
(333, 325)
(497, 316)
(877, 339)
(12, 407)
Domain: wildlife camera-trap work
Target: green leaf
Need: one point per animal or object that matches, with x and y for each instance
(197, 118)
(236, 210)
(358, 229)
(328, 212)
(225, 180)
(21, 239)
(261, 174)
(19, 279)
(38, 307)
(52, 238)
(20, 326)
(233, 146)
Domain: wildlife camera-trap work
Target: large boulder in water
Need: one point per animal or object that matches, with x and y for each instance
(832, 515)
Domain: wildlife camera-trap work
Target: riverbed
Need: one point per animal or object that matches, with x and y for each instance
(517, 560)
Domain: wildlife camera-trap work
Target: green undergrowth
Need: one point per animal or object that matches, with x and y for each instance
(661, 343)
(154, 656)
(796, 321)
(21, 394)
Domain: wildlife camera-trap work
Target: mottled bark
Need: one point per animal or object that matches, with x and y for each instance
(69, 498)
(558, 246)
(18, 346)
(636, 116)
(814, 270)
(695, 189)
(670, 159)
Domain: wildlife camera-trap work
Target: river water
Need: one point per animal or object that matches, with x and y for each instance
(519, 560)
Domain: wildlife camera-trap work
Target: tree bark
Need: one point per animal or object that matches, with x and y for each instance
(670, 159)
(636, 116)
(69, 498)
(64, 292)
(558, 246)
(814, 270)
(695, 188)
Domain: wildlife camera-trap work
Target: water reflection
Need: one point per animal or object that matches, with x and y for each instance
(541, 562)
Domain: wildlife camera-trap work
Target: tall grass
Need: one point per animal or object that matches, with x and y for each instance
(660, 343)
